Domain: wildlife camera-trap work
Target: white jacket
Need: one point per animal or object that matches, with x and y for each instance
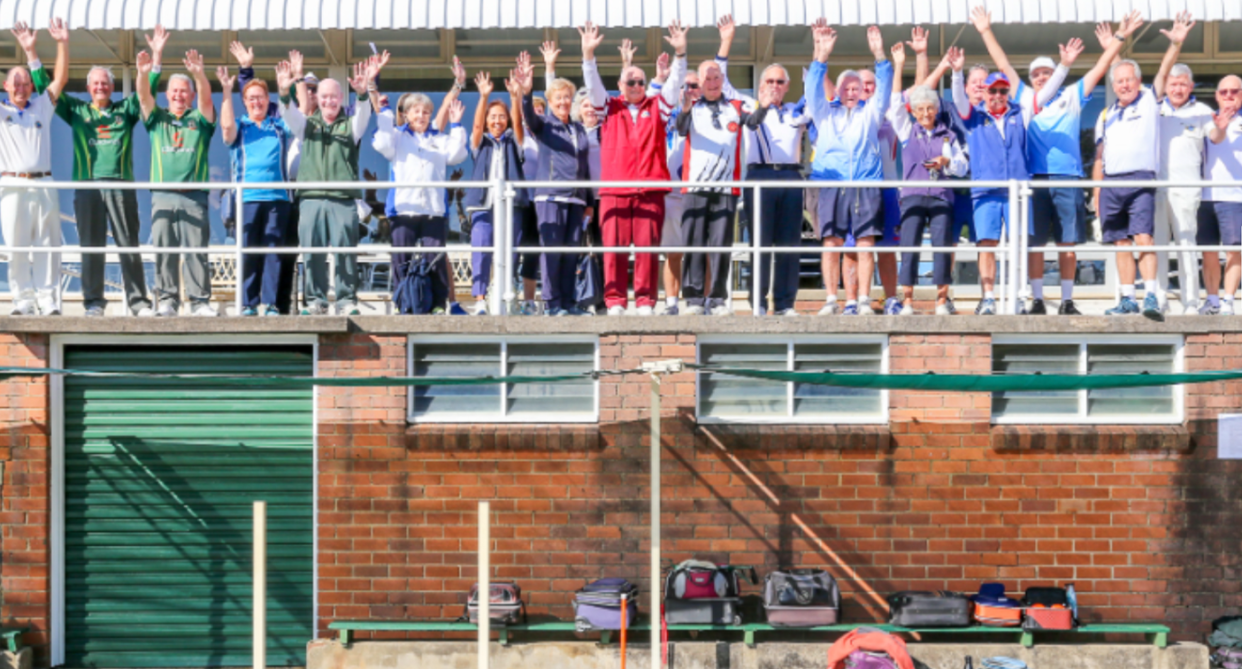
(418, 158)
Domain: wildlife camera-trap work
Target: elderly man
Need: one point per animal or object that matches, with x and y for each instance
(1185, 127)
(632, 148)
(1220, 214)
(180, 140)
(329, 217)
(848, 149)
(30, 216)
(103, 152)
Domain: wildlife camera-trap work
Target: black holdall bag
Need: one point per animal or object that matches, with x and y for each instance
(929, 609)
(801, 598)
(702, 593)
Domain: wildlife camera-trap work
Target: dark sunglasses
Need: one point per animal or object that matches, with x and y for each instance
(635, 82)
(998, 91)
(692, 87)
(775, 82)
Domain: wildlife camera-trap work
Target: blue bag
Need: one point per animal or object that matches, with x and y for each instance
(422, 289)
(589, 285)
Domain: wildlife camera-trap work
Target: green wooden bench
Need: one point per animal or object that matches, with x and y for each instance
(13, 637)
(1156, 634)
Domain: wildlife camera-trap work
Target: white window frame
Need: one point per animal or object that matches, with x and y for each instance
(1179, 391)
(789, 418)
(500, 415)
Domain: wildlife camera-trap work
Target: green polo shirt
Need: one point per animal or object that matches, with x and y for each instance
(179, 146)
(103, 146)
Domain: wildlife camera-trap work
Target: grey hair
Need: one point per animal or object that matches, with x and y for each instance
(559, 83)
(921, 95)
(1138, 70)
(105, 70)
(847, 75)
(978, 66)
(1183, 70)
(777, 66)
(575, 112)
(182, 77)
(411, 99)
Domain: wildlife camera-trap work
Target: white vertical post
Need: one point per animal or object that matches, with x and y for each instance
(510, 219)
(485, 584)
(756, 297)
(1023, 243)
(500, 260)
(260, 586)
(654, 613)
(238, 234)
(1011, 228)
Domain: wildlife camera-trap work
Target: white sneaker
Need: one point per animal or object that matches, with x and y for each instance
(166, 310)
(787, 312)
(480, 308)
(49, 308)
(693, 311)
(906, 310)
(946, 309)
(204, 310)
(864, 308)
(145, 312)
(22, 308)
(646, 311)
(722, 310)
(94, 312)
(1190, 309)
(830, 309)
(1226, 308)
(616, 311)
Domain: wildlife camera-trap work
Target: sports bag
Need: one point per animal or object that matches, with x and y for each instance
(994, 609)
(505, 606)
(929, 609)
(589, 282)
(801, 598)
(1047, 609)
(1227, 658)
(421, 289)
(597, 606)
(865, 659)
(697, 592)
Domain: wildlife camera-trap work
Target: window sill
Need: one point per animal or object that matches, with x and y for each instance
(502, 437)
(804, 437)
(1091, 438)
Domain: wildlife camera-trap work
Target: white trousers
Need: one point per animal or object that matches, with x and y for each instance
(1177, 221)
(31, 217)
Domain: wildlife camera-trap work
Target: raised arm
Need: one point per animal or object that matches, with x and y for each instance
(361, 82)
(483, 82)
(1069, 53)
(825, 39)
(1220, 123)
(534, 121)
(982, 19)
(374, 65)
(228, 122)
(591, 39)
(932, 80)
(457, 135)
(1112, 49)
(900, 118)
(550, 53)
(727, 29)
(514, 85)
(156, 42)
(194, 65)
(1177, 36)
(883, 75)
(385, 129)
(957, 61)
(899, 63)
(459, 83)
(59, 32)
(293, 116)
(676, 38)
(146, 100)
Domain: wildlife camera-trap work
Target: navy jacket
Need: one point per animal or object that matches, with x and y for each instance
(475, 197)
(993, 157)
(564, 152)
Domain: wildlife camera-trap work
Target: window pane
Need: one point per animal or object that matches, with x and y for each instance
(575, 397)
(570, 44)
(1028, 359)
(399, 43)
(500, 43)
(813, 400)
(1151, 40)
(1130, 359)
(275, 44)
(443, 360)
(728, 395)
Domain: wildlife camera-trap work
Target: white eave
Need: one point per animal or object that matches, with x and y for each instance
(429, 14)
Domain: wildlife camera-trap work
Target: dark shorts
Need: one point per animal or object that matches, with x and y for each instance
(674, 211)
(1219, 223)
(846, 211)
(1057, 214)
(1127, 212)
(964, 214)
(892, 218)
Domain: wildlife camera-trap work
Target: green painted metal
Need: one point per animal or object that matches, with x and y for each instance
(160, 476)
(13, 637)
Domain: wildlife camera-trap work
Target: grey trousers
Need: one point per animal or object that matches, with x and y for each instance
(179, 220)
(97, 212)
(329, 222)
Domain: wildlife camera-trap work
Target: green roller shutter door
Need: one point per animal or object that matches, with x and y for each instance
(160, 476)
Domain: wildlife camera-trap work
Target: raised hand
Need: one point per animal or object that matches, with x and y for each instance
(295, 61)
(514, 84)
(687, 100)
(899, 56)
(459, 72)
(243, 56)
(226, 82)
(1104, 34)
(284, 76)
(1181, 28)
(591, 39)
(193, 63)
(359, 81)
(1132, 22)
(59, 30)
(526, 76)
(377, 63)
(918, 40)
(825, 39)
(144, 63)
(676, 37)
(1071, 50)
(158, 41)
(663, 69)
(550, 54)
(456, 111)
(982, 19)
(483, 81)
(523, 62)
(627, 50)
(875, 41)
(1224, 117)
(956, 58)
(26, 37)
(727, 28)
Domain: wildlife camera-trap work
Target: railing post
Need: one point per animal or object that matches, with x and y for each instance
(239, 221)
(505, 197)
(1014, 248)
(757, 297)
(485, 585)
(1024, 242)
(500, 261)
(259, 587)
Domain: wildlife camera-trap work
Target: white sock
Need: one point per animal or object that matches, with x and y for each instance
(1127, 290)
(989, 295)
(1227, 299)
(670, 301)
(849, 303)
(1214, 300)
(1067, 289)
(1151, 287)
(1037, 289)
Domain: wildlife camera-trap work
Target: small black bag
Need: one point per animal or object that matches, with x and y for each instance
(929, 609)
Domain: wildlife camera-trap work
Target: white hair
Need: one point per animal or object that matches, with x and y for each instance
(1138, 70)
(921, 95)
(848, 74)
(182, 77)
(575, 112)
(777, 66)
(1183, 70)
(105, 70)
(410, 100)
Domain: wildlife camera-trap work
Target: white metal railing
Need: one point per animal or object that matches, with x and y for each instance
(1011, 250)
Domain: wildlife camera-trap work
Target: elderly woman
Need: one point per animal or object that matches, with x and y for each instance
(258, 150)
(930, 152)
(419, 156)
(564, 155)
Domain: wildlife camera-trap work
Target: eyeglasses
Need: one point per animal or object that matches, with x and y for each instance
(1229, 92)
(692, 87)
(998, 91)
(775, 82)
(635, 82)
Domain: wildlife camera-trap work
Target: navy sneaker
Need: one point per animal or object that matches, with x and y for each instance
(250, 311)
(1151, 308)
(850, 310)
(456, 309)
(1125, 307)
(672, 311)
(892, 307)
(987, 307)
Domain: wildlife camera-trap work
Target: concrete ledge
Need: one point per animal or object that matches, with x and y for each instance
(1091, 438)
(182, 325)
(328, 654)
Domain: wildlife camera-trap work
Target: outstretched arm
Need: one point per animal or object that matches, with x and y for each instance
(59, 32)
(932, 80)
(899, 63)
(228, 123)
(482, 81)
(146, 100)
(982, 19)
(591, 39)
(194, 65)
(676, 38)
(459, 83)
(1112, 49)
(918, 43)
(1177, 36)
